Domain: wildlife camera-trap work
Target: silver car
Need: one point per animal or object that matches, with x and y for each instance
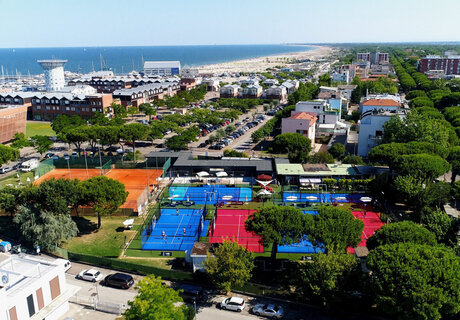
(268, 310)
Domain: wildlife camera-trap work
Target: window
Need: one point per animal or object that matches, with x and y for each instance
(30, 304)
(55, 288)
(378, 133)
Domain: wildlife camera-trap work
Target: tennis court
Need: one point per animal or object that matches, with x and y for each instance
(175, 230)
(289, 196)
(134, 180)
(372, 223)
(229, 224)
(303, 246)
(210, 194)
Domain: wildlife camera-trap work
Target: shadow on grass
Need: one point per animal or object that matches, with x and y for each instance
(85, 226)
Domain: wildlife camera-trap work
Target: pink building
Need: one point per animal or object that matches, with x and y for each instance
(300, 122)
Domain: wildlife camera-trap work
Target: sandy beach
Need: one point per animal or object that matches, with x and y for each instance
(261, 64)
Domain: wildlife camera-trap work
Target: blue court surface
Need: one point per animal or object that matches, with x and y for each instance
(290, 196)
(175, 230)
(304, 246)
(210, 194)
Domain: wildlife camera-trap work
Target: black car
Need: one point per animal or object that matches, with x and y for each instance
(119, 280)
(49, 155)
(202, 145)
(191, 293)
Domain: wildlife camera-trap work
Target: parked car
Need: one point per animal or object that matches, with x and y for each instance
(74, 154)
(233, 303)
(191, 293)
(92, 275)
(202, 145)
(65, 263)
(268, 310)
(49, 155)
(66, 156)
(5, 169)
(119, 280)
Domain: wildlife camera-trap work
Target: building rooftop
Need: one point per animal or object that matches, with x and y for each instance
(21, 272)
(305, 116)
(161, 64)
(297, 169)
(381, 103)
(147, 87)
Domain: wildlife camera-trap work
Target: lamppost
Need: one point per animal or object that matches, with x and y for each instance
(99, 150)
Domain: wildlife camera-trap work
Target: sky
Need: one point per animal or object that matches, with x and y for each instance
(73, 23)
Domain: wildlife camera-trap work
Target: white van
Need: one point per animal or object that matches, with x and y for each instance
(66, 263)
(29, 165)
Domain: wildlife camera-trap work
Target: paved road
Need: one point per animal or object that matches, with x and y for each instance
(213, 313)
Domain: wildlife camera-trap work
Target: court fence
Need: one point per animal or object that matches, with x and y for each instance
(44, 167)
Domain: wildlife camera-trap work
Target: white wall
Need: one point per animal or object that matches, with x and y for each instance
(367, 129)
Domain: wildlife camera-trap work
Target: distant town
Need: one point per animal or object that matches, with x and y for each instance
(314, 185)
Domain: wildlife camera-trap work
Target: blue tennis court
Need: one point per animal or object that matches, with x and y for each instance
(210, 194)
(175, 230)
(290, 196)
(303, 246)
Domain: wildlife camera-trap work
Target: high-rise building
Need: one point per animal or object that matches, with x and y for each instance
(448, 64)
(54, 74)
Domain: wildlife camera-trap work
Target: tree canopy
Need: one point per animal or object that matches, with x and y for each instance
(414, 281)
(229, 265)
(278, 225)
(8, 154)
(325, 278)
(336, 229)
(423, 165)
(401, 232)
(156, 301)
(105, 195)
(43, 228)
(294, 144)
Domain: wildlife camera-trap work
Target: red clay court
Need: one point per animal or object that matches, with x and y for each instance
(135, 181)
(372, 223)
(229, 225)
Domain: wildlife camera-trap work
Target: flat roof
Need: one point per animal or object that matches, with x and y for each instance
(297, 169)
(23, 271)
(185, 159)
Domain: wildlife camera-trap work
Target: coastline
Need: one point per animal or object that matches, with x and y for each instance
(261, 64)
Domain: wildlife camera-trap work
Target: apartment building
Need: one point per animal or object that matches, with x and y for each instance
(146, 93)
(33, 289)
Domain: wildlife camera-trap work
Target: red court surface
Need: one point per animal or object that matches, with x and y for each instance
(229, 225)
(372, 223)
(134, 180)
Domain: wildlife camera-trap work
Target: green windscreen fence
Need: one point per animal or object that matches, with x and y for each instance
(44, 167)
(166, 167)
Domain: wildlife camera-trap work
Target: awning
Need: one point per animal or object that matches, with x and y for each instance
(264, 192)
(202, 174)
(221, 174)
(264, 183)
(310, 180)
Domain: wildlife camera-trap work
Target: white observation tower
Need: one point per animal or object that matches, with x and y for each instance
(54, 74)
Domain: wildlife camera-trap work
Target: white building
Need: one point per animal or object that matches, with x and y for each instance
(380, 101)
(80, 90)
(250, 82)
(162, 68)
(229, 91)
(33, 289)
(54, 74)
(198, 255)
(343, 76)
(346, 90)
(300, 122)
(371, 128)
(326, 115)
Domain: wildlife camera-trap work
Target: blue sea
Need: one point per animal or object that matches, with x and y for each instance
(125, 59)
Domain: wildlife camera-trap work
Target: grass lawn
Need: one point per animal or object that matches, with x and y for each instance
(13, 180)
(105, 242)
(39, 128)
